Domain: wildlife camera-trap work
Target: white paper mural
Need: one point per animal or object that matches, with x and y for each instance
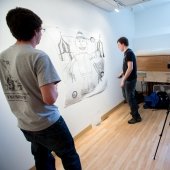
(82, 60)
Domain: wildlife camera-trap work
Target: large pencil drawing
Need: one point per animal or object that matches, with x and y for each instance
(82, 60)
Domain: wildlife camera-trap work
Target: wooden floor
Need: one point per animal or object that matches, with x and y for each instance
(117, 145)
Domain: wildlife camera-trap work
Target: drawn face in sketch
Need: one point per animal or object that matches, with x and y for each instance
(81, 41)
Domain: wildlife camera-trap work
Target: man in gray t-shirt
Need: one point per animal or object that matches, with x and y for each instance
(29, 81)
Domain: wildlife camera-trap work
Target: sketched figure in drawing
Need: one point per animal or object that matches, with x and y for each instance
(83, 66)
(66, 58)
(82, 61)
(98, 60)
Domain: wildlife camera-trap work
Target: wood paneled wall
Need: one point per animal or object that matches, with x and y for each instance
(153, 63)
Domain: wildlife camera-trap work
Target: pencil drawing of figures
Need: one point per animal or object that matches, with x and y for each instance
(83, 67)
(81, 58)
(98, 61)
(66, 57)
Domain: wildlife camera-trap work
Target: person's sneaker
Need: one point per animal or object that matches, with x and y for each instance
(133, 121)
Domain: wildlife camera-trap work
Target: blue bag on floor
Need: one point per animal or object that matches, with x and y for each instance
(151, 101)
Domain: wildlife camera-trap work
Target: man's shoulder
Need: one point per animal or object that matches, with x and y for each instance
(129, 52)
(37, 53)
(5, 51)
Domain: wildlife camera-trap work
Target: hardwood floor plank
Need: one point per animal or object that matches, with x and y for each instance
(117, 145)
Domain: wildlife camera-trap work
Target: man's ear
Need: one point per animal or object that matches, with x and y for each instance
(36, 31)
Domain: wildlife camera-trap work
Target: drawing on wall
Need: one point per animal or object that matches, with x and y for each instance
(82, 60)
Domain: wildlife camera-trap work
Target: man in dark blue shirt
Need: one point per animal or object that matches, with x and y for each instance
(129, 78)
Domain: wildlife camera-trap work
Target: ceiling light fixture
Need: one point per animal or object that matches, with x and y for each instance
(116, 9)
(116, 5)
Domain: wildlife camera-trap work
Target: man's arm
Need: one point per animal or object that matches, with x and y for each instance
(128, 72)
(49, 93)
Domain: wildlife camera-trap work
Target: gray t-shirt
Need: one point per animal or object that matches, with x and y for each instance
(23, 70)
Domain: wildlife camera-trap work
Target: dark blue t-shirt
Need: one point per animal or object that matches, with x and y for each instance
(130, 56)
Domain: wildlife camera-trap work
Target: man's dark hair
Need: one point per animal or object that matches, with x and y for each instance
(123, 40)
(23, 23)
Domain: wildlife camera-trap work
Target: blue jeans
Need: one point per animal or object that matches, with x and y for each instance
(129, 94)
(55, 138)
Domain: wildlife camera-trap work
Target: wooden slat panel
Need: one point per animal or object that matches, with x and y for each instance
(153, 63)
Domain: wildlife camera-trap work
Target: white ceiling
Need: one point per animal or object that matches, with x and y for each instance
(110, 5)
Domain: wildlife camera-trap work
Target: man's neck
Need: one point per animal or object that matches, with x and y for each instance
(125, 48)
(22, 42)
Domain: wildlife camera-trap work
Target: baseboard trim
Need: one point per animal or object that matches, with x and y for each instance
(103, 117)
(106, 115)
(83, 132)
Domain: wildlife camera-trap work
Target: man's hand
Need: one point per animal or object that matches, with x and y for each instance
(122, 82)
(120, 75)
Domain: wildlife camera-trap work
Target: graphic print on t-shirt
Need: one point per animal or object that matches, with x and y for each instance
(12, 86)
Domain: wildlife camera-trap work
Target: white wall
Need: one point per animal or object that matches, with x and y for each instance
(75, 14)
(152, 28)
